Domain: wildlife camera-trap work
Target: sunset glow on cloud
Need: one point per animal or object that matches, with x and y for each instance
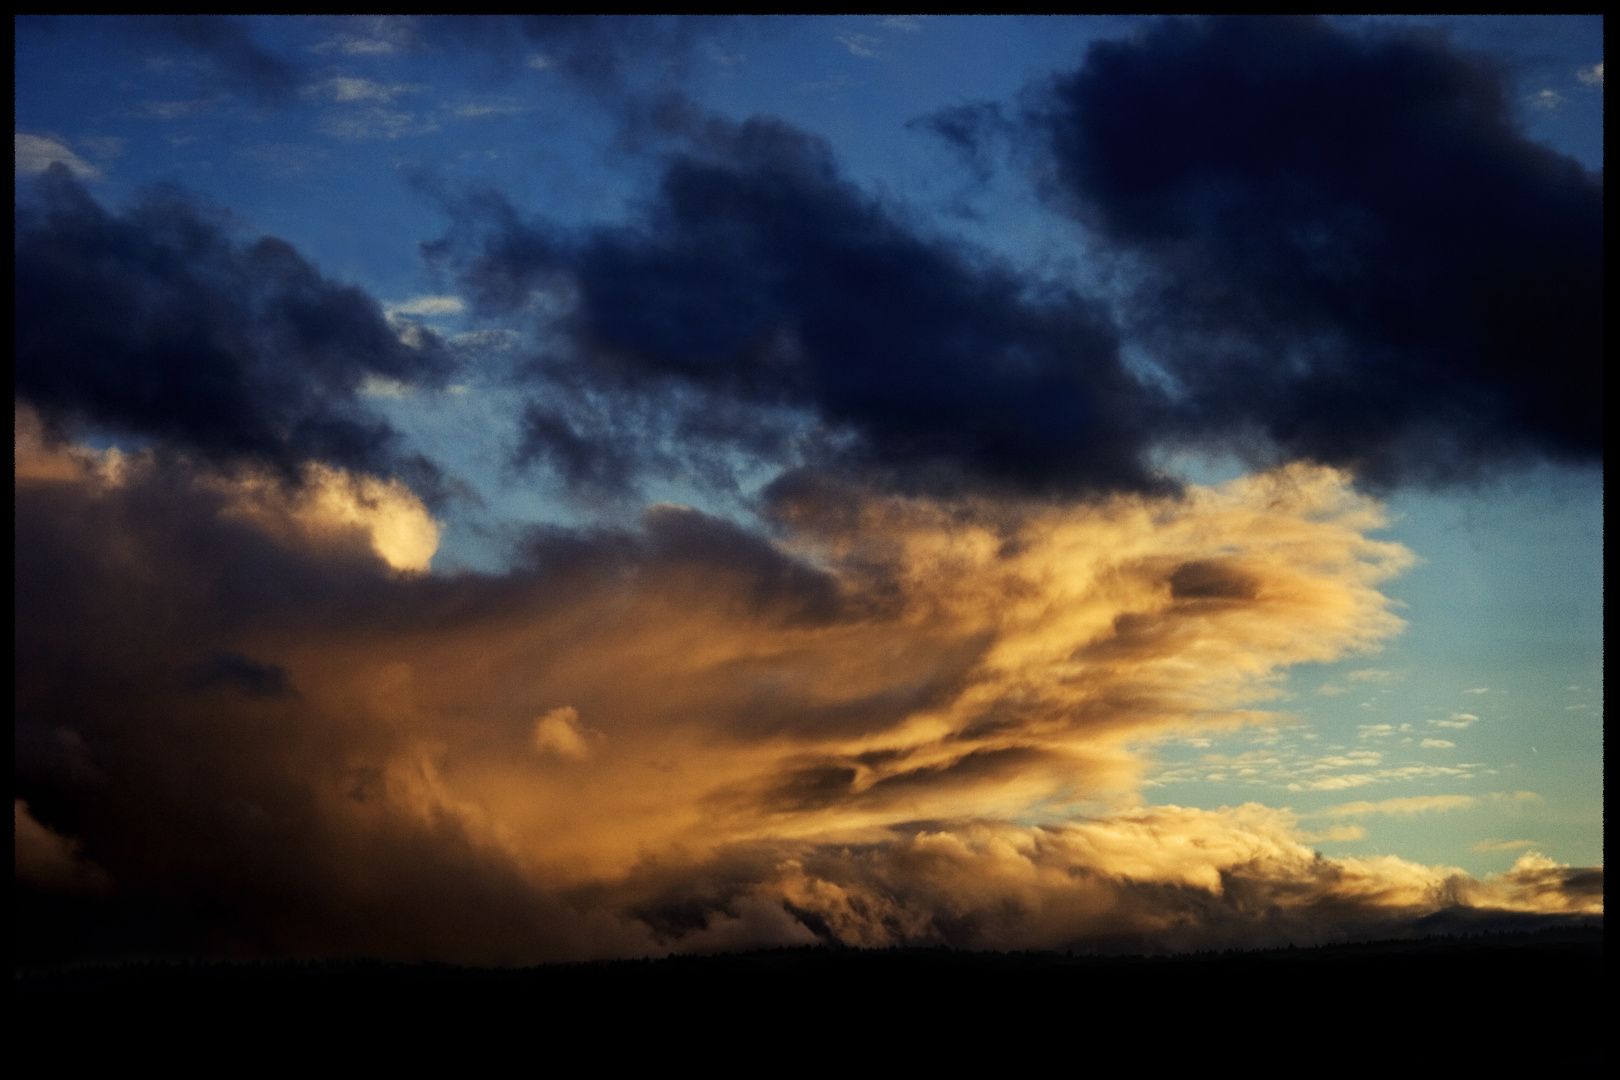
(863, 606)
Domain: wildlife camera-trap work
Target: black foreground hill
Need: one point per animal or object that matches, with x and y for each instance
(1493, 999)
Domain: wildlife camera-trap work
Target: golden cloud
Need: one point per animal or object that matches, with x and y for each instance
(899, 719)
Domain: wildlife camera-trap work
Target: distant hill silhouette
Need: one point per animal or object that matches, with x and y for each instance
(1511, 999)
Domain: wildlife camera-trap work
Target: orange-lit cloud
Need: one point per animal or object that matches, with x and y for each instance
(899, 719)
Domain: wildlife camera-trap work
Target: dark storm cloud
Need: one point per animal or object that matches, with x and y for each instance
(1345, 242)
(761, 276)
(155, 322)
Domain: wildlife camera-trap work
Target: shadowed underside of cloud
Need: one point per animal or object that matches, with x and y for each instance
(1344, 244)
(246, 731)
(155, 322)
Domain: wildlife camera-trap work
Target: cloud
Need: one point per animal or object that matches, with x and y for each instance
(428, 305)
(49, 861)
(1503, 845)
(346, 90)
(364, 125)
(765, 303)
(1437, 744)
(558, 732)
(1547, 99)
(1412, 804)
(372, 36)
(226, 45)
(35, 154)
(157, 323)
(1341, 246)
(604, 55)
(1457, 720)
(1591, 76)
(862, 45)
(830, 733)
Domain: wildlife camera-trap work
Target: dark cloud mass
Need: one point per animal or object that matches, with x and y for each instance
(760, 275)
(1345, 242)
(155, 322)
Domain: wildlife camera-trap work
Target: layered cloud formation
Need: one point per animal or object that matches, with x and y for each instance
(902, 720)
(906, 700)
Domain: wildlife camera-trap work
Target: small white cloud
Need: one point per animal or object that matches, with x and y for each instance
(476, 109)
(911, 24)
(382, 386)
(35, 154)
(1503, 845)
(1329, 690)
(1376, 731)
(1592, 76)
(1437, 744)
(429, 305)
(1458, 720)
(1478, 690)
(347, 90)
(1374, 675)
(1546, 99)
(540, 63)
(861, 45)
(559, 733)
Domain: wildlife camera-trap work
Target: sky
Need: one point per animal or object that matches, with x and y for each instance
(504, 490)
